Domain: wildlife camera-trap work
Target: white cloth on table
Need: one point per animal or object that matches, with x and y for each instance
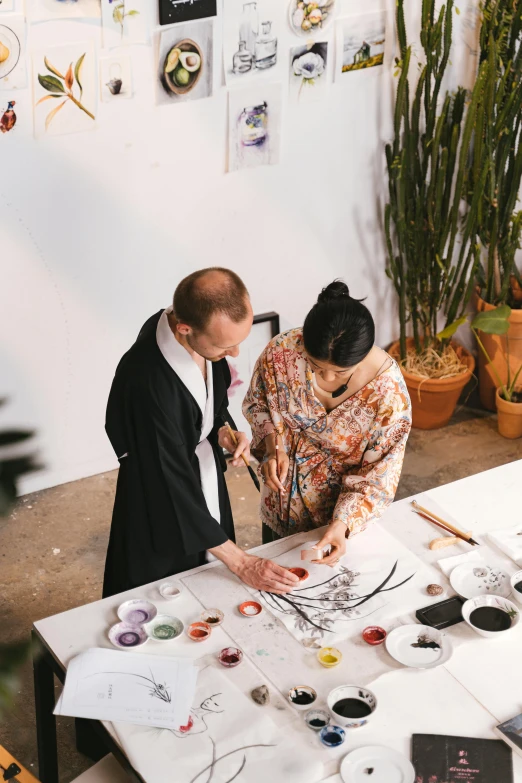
(447, 564)
(509, 541)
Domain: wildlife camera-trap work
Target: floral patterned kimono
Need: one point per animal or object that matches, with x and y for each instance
(344, 464)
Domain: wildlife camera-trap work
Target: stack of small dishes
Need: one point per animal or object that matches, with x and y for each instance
(140, 622)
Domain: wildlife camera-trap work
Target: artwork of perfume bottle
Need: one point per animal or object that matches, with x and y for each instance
(243, 60)
(249, 27)
(266, 47)
(252, 125)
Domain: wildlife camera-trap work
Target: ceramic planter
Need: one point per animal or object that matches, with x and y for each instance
(496, 346)
(434, 400)
(509, 417)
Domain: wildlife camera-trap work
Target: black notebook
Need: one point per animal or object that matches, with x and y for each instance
(441, 759)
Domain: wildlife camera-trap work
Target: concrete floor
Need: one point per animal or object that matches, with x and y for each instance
(54, 543)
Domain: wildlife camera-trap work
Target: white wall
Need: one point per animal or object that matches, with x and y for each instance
(96, 229)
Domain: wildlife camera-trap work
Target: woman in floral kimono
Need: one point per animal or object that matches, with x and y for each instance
(330, 416)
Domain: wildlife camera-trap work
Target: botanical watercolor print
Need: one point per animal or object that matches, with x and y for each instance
(308, 72)
(45, 10)
(250, 39)
(254, 127)
(361, 41)
(309, 19)
(64, 90)
(13, 71)
(124, 22)
(345, 464)
(115, 78)
(185, 62)
(7, 117)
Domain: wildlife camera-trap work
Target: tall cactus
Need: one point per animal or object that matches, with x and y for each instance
(428, 180)
(497, 145)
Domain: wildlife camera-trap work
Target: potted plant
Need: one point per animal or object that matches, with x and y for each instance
(508, 393)
(497, 140)
(430, 226)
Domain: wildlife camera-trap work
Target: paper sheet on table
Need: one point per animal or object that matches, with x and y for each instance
(229, 737)
(331, 605)
(150, 690)
(509, 541)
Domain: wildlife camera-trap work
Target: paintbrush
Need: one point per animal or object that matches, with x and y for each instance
(281, 491)
(250, 470)
(436, 520)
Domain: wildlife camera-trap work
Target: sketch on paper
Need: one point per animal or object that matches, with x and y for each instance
(46, 10)
(310, 19)
(361, 41)
(156, 690)
(308, 72)
(250, 33)
(6, 5)
(124, 22)
(115, 78)
(174, 11)
(13, 72)
(254, 126)
(197, 722)
(185, 63)
(64, 90)
(7, 117)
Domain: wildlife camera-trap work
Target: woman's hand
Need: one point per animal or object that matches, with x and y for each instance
(335, 537)
(242, 447)
(269, 470)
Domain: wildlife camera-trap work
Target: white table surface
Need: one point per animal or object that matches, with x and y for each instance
(480, 686)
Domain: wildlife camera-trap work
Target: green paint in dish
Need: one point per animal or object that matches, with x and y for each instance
(164, 632)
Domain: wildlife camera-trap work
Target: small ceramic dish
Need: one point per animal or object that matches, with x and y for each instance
(164, 628)
(317, 719)
(212, 616)
(230, 657)
(374, 634)
(332, 736)
(170, 590)
(516, 592)
(250, 608)
(419, 646)
(302, 697)
(198, 632)
(137, 612)
(126, 637)
(386, 765)
(353, 693)
(301, 573)
(493, 602)
(329, 657)
(470, 580)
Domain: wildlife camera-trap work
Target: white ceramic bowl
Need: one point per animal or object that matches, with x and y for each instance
(137, 612)
(473, 579)
(164, 628)
(170, 590)
(515, 595)
(351, 692)
(127, 637)
(295, 691)
(496, 602)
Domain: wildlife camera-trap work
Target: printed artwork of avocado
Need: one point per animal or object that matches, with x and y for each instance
(182, 66)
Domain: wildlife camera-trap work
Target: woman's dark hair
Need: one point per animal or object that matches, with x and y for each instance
(338, 329)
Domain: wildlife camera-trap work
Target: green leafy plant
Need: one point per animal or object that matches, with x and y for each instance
(119, 14)
(497, 148)
(61, 86)
(428, 182)
(497, 322)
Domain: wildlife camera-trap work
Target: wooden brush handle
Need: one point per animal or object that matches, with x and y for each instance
(234, 441)
(448, 525)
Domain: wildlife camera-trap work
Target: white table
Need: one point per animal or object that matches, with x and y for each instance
(479, 687)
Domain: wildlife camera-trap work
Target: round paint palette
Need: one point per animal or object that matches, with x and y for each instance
(137, 612)
(126, 637)
(164, 628)
(378, 764)
(470, 580)
(419, 646)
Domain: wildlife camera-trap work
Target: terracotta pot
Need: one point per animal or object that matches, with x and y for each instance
(509, 417)
(434, 400)
(496, 346)
(516, 289)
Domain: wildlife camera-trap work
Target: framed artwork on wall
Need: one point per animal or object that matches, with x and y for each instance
(265, 327)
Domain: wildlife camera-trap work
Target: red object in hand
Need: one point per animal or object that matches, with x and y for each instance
(374, 634)
(301, 573)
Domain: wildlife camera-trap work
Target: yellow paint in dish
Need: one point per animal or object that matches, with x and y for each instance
(329, 657)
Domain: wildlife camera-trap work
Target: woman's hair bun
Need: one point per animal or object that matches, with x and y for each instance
(336, 290)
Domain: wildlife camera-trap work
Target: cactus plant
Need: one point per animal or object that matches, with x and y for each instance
(433, 254)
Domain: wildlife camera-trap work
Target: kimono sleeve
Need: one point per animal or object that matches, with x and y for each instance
(369, 489)
(256, 406)
(175, 507)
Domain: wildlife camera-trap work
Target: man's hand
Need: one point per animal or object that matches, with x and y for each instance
(226, 442)
(255, 571)
(335, 536)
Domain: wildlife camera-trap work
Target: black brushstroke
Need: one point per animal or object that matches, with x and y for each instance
(345, 600)
(238, 773)
(230, 753)
(303, 614)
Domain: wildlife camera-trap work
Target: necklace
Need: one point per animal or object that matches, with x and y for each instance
(340, 390)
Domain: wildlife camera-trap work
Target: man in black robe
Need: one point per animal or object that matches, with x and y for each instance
(165, 416)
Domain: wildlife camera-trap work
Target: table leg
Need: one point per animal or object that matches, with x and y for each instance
(45, 720)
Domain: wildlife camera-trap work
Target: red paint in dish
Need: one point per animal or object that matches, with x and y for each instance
(230, 656)
(301, 573)
(198, 632)
(374, 634)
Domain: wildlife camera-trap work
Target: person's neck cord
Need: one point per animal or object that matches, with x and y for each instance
(340, 390)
